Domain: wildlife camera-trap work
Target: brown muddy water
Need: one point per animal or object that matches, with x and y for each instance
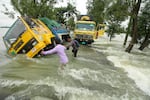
(100, 72)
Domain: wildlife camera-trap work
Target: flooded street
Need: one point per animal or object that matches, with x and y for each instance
(100, 72)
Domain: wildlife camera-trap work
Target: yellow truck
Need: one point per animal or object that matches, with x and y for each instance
(86, 30)
(100, 30)
(28, 36)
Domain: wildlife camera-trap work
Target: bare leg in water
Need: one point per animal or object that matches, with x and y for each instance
(62, 66)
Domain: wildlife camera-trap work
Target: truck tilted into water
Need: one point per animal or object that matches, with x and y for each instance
(28, 36)
(86, 30)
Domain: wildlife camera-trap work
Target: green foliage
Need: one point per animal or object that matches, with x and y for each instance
(115, 28)
(60, 14)
(42, 8)
(117, 12)
(111, 11)
(34, 8)
(96, 9)
(70, 23)
(144, 20)
(66, 14)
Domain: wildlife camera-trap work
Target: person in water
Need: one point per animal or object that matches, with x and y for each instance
(75, 46)
(59, 49)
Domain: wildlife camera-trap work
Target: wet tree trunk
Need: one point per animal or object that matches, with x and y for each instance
(127, 34)
(136, 8)
(146, 42)
(126, 38)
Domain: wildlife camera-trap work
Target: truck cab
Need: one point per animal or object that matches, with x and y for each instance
(100, 30)
(86, 30)
(28, 36)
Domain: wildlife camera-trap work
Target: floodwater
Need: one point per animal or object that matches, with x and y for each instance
(100, 72)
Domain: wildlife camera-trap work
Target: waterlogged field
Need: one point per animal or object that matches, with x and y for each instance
(101, 72)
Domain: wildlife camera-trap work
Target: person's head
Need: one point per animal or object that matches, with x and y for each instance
(69, 39)
(57, 41)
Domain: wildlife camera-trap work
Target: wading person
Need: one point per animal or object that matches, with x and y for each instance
(75, 46)
(59, 49)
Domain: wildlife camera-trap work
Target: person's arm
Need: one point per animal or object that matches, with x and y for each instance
(70, 44)
(49, 51)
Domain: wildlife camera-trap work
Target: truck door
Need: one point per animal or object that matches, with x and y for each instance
(100, 30)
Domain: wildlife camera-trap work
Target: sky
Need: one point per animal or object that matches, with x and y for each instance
(81, 6)
(6, 21)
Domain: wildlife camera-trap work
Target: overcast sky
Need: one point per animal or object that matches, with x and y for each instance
(6, 21)
(81, 6)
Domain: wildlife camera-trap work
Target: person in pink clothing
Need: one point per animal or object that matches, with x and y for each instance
(59, 49)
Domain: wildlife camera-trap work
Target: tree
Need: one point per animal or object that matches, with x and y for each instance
(70, 23)
(135, 11)
(129, 9)
(144, 26)
(65, 13)
(116, 13)
(60, 14)
(113, 12)
(34, 8)
(44, 8)
(96, 9)
(128, 31)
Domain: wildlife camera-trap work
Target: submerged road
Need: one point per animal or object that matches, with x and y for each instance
(94, 75)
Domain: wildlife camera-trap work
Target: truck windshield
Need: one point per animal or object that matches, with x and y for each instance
(12, 34)
(85, 26)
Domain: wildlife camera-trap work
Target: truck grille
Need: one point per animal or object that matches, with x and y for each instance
(89, 37)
